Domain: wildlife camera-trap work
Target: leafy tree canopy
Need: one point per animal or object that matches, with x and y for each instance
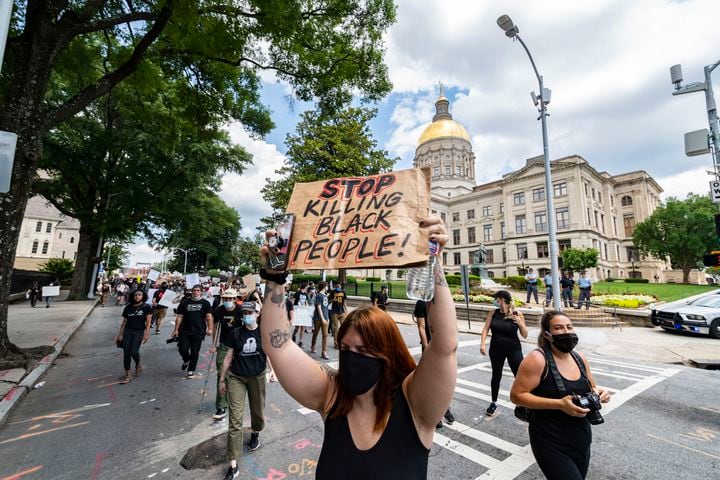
(683, 230)
(579, 259)
(62, 268)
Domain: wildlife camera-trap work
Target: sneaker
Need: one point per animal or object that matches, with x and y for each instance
(439, 425)
(300, 344)
(219, 414)
(232, 473)
(490, 412)
(254, 442)
(190, 374)
(184, 365)
(324, 356)
(449, 417)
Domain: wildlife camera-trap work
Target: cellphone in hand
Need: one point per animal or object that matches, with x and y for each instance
(280, 243)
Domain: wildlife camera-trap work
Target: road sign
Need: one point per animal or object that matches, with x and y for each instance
(715, 191)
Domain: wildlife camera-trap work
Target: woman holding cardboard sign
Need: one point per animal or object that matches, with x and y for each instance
(380, 408)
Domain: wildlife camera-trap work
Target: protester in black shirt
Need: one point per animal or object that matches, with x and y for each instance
(420, 316)
(193, 322)
(135, 328)
(338, 310)
(243, 371)
(34, 293)
(227, 317)
(380, 300)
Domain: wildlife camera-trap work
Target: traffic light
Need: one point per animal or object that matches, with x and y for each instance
(717, 224)
(711, 260)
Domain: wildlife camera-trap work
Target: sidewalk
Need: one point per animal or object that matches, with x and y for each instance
(633, 343)
(32, 327)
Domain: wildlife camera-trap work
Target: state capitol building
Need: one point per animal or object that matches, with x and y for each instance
(509, 216)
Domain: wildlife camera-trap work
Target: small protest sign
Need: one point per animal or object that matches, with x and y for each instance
(51, 291)
(192, 279)
(303, 316)
(153, 275)
(361, 221)
(168, 297)
(249, 281)
(151, 294)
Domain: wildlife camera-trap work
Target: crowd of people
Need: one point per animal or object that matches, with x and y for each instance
(391, 403)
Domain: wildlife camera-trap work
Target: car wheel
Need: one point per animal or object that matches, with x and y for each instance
(715, 328)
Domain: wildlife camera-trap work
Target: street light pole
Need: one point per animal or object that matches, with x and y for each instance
(185, 264)
(541, 102)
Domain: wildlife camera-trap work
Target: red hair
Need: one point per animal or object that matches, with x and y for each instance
(382, 339)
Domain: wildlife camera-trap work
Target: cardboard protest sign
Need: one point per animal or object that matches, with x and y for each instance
(249, 281)
(214, 291)
(153, 275)
(360, 222)
(303, 316)
(151, 294)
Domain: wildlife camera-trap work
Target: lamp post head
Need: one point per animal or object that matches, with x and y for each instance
(507, 25)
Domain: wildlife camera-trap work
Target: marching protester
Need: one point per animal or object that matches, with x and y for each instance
(531, 280)
(504, 322)
(49, 298)
(104, 293)
(243, 371)
(380, 300)
(338, 310)
(320, 320)
(120, 290)
(567, 284)
(193, 322)
(585, 286)
(134, 330)
(159, 311)
(390, 405)
(34, 293)
(227, 317)
(300, 299)
(560, 429)
(420, 315)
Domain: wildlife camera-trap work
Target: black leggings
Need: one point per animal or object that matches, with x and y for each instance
(559, 463)
(189, 346)
(498, 354)
(131, 346)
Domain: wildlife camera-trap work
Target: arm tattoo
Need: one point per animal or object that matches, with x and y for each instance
(278, 338)
(439, 276)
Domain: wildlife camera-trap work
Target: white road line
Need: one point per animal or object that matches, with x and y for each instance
(619, 372)
(622, 364)
(480, 386)
(613, 375)
(636, 389)
(487, 398)
(486, 438)
(465, 451)
(469, 368)
(511, 467)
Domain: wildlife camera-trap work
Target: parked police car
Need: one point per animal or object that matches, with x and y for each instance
(701, 315)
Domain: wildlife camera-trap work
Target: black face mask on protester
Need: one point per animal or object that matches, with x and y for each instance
(565, 342)
(358, 373)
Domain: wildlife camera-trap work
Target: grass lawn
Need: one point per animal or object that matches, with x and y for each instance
(666, 292)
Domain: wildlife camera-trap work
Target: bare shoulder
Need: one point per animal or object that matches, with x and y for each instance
(534, 361)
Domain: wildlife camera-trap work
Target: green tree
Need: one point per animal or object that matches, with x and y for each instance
(246, 253)
(62, 268)
(683, 230)
(114, 256)
(579, 259)
(62, 56)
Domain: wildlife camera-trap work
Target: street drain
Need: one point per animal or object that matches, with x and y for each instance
(207, 454)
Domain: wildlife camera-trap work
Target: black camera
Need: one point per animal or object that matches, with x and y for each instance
(591, 401)
(172, 340)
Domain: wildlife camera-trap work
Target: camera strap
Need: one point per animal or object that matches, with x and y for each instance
(559, 384)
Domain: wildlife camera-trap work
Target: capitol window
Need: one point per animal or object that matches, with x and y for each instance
(562, 216)
(626, 201)
(456, 216)
(436, 171)
(34, 246)
(519, 198)
(471, 214)
(38, 227)
(456, 237)
(538, 194)
(471, 234)
(487, 233)
(45, 247)
(447, 169)
(458, 170)
(48, 228)
(520, 224)
(560, 189)
(487, 211)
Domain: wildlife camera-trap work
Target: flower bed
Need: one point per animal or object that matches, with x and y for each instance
(622, 301)
(459, 297)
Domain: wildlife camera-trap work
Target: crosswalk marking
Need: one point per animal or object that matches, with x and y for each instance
(487, 398)
(596, 360)
(465, 451)
(486, 438)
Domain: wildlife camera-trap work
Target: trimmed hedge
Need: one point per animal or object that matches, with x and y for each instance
(316, 277)
(637, 280)
(373, 279)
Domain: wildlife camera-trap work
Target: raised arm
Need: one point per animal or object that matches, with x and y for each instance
(300, 376)
(485, 331)
(421, 331)
(430, 387)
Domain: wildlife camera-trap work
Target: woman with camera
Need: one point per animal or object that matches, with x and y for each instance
(504, 323)
(553, 381)
(134, 330)
(380, 409)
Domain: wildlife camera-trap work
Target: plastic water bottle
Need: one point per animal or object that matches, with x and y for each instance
(420, 283)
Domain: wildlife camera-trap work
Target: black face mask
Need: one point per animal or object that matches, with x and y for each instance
(565, 342)
(358, 373)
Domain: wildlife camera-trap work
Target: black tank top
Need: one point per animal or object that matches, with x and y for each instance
(398, 454)
(504, 332)
(555, 426)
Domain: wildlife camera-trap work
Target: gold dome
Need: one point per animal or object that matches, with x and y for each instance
(443, 128)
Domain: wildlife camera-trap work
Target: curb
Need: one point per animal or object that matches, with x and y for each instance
(13, 397)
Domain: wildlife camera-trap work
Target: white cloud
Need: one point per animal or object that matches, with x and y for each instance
(606, 61)
(141, 252)
(242, 192)
(689, 181)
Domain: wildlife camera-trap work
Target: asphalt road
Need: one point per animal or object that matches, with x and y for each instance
(663, 422)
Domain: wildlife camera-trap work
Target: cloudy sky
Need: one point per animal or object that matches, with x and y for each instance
(606, 62)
